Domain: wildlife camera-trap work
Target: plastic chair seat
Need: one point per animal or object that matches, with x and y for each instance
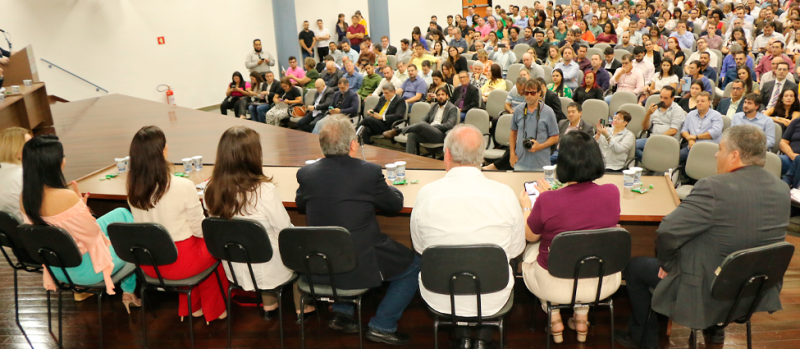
(326, 290)
(401, 139)
(500, 313)
(190, 281)
(683, 191)
(494, 154)
(124, 272)
(432, 145)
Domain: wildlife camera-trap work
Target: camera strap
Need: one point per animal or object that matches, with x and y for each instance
(525, 120)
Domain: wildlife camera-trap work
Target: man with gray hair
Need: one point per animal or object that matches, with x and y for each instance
(741, 207)
(344, 191)
(494, 217)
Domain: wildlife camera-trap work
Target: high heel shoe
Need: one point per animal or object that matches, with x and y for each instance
(198, 313)
(129, 300)
(305, 316)
(572, 325)
(558, 337)
(82, 296)
(221, 317)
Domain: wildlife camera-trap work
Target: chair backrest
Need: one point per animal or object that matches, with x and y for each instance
(656, 98)
(698, 26)
(496, 102)
(520, 49)
(9, 237)
(687, 52)
(610, 246)
(300, 245)
(618, 54)
(594, 110)
(751, 272)
(701, 162)
(600, 46)
(637, 117)
(618, 99)
(661, 153)
(548, 73)
(778, 135)
(480, 119)
(418, 112)
(237, 240)
(509, 85)
(595, 51)
(50, 245)
(726, 122)
(720, 57)
(565, 102)
(308, 99)
(470, 62)
(143, 243)
(502, 131)
(369, 103)
(580, 77)
(727, 92)
(773, 164)
(513, 72)
(391, 60)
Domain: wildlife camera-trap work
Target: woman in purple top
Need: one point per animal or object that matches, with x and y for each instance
(581, 205)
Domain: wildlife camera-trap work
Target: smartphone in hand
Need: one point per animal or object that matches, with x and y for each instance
(532, 188)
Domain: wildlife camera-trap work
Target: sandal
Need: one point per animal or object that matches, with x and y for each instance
(572, 325)
(558, 337)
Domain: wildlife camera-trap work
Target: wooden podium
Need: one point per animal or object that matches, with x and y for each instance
(29, 108)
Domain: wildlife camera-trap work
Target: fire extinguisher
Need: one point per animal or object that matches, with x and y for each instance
(170, 94)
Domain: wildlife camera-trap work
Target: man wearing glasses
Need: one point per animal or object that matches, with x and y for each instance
(535, 130)
(733, 104)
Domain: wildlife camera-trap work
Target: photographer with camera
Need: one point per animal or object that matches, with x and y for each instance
(534, 129)
(615, 141)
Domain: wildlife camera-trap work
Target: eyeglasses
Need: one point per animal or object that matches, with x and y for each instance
(736, 88)
(530, 93)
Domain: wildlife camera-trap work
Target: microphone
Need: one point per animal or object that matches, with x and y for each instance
(361, 141)
(2, 31)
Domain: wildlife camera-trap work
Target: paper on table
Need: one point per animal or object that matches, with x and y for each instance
(795, 193)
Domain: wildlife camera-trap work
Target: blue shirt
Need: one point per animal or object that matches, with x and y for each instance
(352, 55)
(354, 80)
(763, 122)
(570, 73)
(686, 40)
(459, 43)
(706, 84)
(710, 73)
(711, 123)
(522, 23)
(527, 127)
(730, 63)
(411, 88)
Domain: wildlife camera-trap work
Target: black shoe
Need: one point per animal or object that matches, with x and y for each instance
(305, 316)
(393, 338)
(481, 344)
(268, 315)
(715, 334)
(624, 339)
(463, 343)
(343, 323)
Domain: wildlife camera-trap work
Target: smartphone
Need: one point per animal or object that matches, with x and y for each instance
(661, 105)
(603, 122)
(532, 188)
(687, 84)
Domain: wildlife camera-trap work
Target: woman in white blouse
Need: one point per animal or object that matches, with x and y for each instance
(12, 140)
(615, 143)
(239, 189)
(665, 77)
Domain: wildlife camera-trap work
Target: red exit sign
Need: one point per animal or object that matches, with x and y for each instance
(161, 40)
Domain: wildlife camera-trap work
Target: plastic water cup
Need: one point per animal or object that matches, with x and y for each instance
(401, 169)
(15, 88)
(309, 162)
(27, 83)
(122, 164)
(549, 173)
(198, 163)
(391, 172)
(188, 165)
(2, 97)
(628, 177)
(127, 162)
(637, 176)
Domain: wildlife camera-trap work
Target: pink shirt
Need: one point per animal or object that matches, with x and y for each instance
(483, 30)
(631, 82)
(297, 72)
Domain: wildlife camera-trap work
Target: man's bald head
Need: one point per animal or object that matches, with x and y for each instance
(464, 146)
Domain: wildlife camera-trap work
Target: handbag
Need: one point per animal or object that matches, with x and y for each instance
(299, 111)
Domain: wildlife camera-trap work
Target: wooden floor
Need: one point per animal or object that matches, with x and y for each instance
(776, 331)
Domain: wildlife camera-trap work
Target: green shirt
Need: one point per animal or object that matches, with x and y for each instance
(312, 74)
(369, 84)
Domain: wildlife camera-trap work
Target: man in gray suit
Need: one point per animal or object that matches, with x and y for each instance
(769, 97)
(319, 108)
(741, 207)
(442, 118)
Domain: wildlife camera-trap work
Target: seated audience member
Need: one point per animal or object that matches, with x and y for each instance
(615, 141)
(345, 102)
(12, 140)
(413, 88)
(253, 94)
(389, 78)
(405, 52)
(541, 132)
(294, 72)
(426, 73)
(390, 108)
(790, 145)
(504, 56)
(572, 123)
(730, 65)
(733, 104)
(584, 63)
(662, 78)
(495, 218)
(367, 53)
(751, 116)
(238, 188)
(319, 108)
(701, 125)
(237, 89)
(370, 82)
(529, 65)
(765, 64)
(483, 57)
(308, 80)
(689, 101)
(771, 91)
(602, 76)
(282, 102)
(455, 58)
(46, 200)
(437, 83)
(515, 96)
(441, 118)
(693, 71)
(580, 163)
(552, 100)
(421, 56)
(494, 81)
(477, 78)
(663, 118)
(558, 86)
(354, 78)
(611, 64)
(589, 89)
(569, 68)
(755, 213)
(352, 206)
(627, 79)
(770, 75)
(466, 96)
(267, 92)
(156, 196)
(331, 74)
(382, 63)
(786, 109)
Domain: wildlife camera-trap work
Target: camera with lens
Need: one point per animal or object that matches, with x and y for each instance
(528, 143)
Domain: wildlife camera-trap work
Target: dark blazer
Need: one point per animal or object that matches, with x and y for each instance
(766, 90)
(274, 89)
(449, 117)
(723, 105)
(331, 80)
(616, 64)
(345, 192)
(391, 50)
(582, 125)
(350, 104)
(551, 100)
(327, 99)
(723, 214)
(471, 100)
(395, 111)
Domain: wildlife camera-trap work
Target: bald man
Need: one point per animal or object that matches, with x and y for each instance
(319, 108)
(331, 74)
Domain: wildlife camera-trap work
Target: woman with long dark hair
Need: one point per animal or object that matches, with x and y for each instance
(750, 86)
(238, 188)
(341, 29)
(786, 110)
(47, 200)
(458, 61)
(558, 85)
(155, 196)
(237, 89)
(589, 89)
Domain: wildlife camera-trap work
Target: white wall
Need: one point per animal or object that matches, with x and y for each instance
(328, 11)
(113, 44)
(404, 15)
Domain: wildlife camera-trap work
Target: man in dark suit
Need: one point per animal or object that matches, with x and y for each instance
(736, 99)
(611, 64)
(345, 101)
(319, 108)
(389, 109)
(442, 117)
(330, 74)
(741, 207)
(768, 95)
(344, 191)
(551, 100)
(389, 50)
(466, 96)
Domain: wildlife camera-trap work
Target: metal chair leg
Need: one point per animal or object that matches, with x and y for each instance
(49, 318)
(360, 335)
(749, 336)
(611, 309)
(549, 324)
(100, 315)
(646, 326)
(230, 312)
(16, 300)
(191, 327)
(302, 324)
(144, 318)
(60, 325)
(435, 332)
(219, 282)
(502, 334)
(693, 339)
(280, 313)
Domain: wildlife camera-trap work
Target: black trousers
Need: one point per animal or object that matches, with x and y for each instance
(504, 163)
(483, 333)
(372, 127)
(422, 132)
(308, 122)
(238, 104)
(322, 52)
(641, 275)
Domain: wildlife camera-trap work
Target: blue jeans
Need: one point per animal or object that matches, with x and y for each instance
(554, 158)
(640, 148)
(786, 163)
(259, 112)
(463, 116)
(684, 155)
(306, 55)
(402, 289)
(608, 99)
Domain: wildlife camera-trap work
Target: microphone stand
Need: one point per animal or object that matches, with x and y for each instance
(361, 142)
(5, 35)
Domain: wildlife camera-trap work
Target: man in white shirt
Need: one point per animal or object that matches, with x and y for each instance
(644, 66)
(405, 52)
(401, 72)
(388, 79)
(761, 43)
(466, 208)
(702, 46)
(426, 73)
(323, 39)
(258, 61)
(504, 57)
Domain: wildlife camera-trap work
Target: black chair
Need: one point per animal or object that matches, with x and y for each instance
(9, 237)
(149, 244)
(466, 271)
(321, 251)
(588, 254)
(242, 241)
(55, 248)
(745, 276)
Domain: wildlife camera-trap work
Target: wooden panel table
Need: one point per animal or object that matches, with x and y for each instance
(29, 109)
(640, 213)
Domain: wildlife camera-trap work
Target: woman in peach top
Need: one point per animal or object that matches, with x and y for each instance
(46, 200)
